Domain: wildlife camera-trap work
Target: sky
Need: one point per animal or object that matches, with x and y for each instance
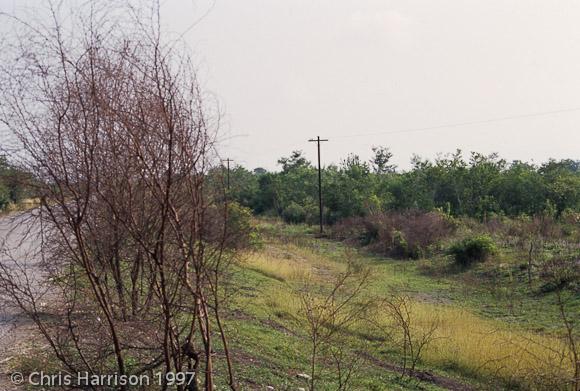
(362, 73)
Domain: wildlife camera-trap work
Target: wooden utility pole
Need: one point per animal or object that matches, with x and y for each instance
(228, 160)
(318, 140)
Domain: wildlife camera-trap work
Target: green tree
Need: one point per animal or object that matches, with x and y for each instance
(562, 180)
(381, 159)
(349, 189)
(484, 171)
(243, 186)
(520, 190)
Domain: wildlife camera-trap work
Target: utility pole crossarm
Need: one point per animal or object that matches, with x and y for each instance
(318, 140)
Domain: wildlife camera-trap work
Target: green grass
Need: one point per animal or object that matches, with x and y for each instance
(496, 289)
(271, 350)
(491, 323)
(486, 312)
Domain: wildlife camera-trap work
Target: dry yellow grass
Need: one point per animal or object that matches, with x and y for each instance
(474, 345)
(282, 303)
(491, 349)
(291, 263)
(279, 268)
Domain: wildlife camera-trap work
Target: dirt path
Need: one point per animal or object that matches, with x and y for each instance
(441, 381)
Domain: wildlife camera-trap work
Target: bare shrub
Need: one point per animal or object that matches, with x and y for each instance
(402, 329)
(561, 273)
(113, 122)
(409, 234)
(531, 235)
(327, 316)
(560, 276)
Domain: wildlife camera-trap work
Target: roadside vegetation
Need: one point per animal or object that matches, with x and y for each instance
(16, 187)
(456, 274)
(131, 253)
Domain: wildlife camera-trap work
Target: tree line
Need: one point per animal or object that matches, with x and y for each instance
(480, 186)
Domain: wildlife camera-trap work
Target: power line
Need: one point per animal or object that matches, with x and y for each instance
(467, 123)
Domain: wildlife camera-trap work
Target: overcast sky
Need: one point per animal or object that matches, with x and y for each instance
(289, 70)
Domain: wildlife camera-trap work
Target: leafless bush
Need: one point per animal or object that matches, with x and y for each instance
(571, 338)
(114, 124)
(560, 369)
(327, 316)
(403, 330)
(530, 236)
(409, 234)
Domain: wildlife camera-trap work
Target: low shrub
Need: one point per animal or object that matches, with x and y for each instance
(312, 214)
(240, 232)
(560, 273)
(294, 213)
(410, 234)
(474, 249)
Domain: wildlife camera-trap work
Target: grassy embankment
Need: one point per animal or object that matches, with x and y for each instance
(491, 332)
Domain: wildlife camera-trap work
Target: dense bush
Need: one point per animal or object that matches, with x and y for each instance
(408, 234)
(474, 249)
(294, 213)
